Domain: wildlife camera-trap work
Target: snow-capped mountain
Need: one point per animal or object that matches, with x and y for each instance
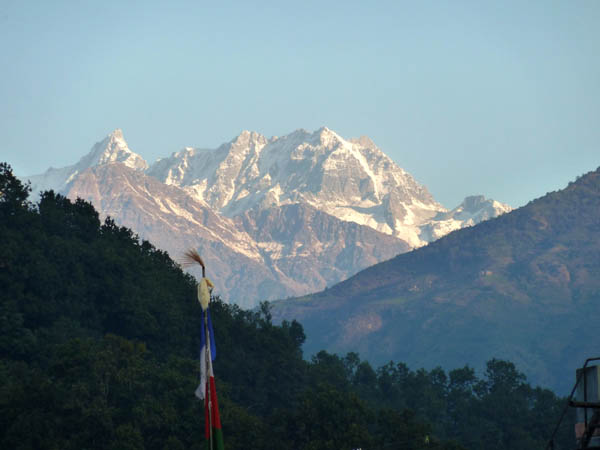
(471, 211)
(275, 216)
(352, 180)
(113, 148)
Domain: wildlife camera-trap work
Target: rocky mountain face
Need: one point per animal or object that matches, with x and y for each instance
(524, 287)
(349, 179)
(274, 217)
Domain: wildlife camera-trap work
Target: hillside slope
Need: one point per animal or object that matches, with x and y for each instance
(524, 286)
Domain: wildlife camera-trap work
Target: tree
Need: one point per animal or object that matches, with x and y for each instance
(13, 194)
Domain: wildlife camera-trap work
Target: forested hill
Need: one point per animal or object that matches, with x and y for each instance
(99, 350)
(524, 286)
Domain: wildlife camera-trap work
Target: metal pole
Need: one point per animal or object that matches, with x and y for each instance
(585, 412)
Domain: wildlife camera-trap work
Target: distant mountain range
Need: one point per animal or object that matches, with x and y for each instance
(524, 287)
(273, 217)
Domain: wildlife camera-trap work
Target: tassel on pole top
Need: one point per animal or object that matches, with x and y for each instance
(192, 257)
(205, 286)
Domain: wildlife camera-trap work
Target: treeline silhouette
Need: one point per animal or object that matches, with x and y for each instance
(99, 350)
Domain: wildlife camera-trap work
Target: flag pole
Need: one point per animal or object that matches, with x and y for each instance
(206, 389)
(208, 362)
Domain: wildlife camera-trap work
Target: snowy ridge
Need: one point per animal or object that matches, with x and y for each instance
(112, 149)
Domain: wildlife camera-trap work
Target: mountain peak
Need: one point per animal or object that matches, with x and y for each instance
(472, 210)
(117, 134)
(324, 131)
(327, 137)
(113, 148)
(473, 202)
(477, 203)
(246, 137)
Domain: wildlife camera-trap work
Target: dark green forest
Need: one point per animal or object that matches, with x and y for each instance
(99, 350)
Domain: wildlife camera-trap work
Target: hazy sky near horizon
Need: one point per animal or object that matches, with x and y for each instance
(495, 98)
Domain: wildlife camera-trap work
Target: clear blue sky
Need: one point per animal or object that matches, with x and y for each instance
(498, 98)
